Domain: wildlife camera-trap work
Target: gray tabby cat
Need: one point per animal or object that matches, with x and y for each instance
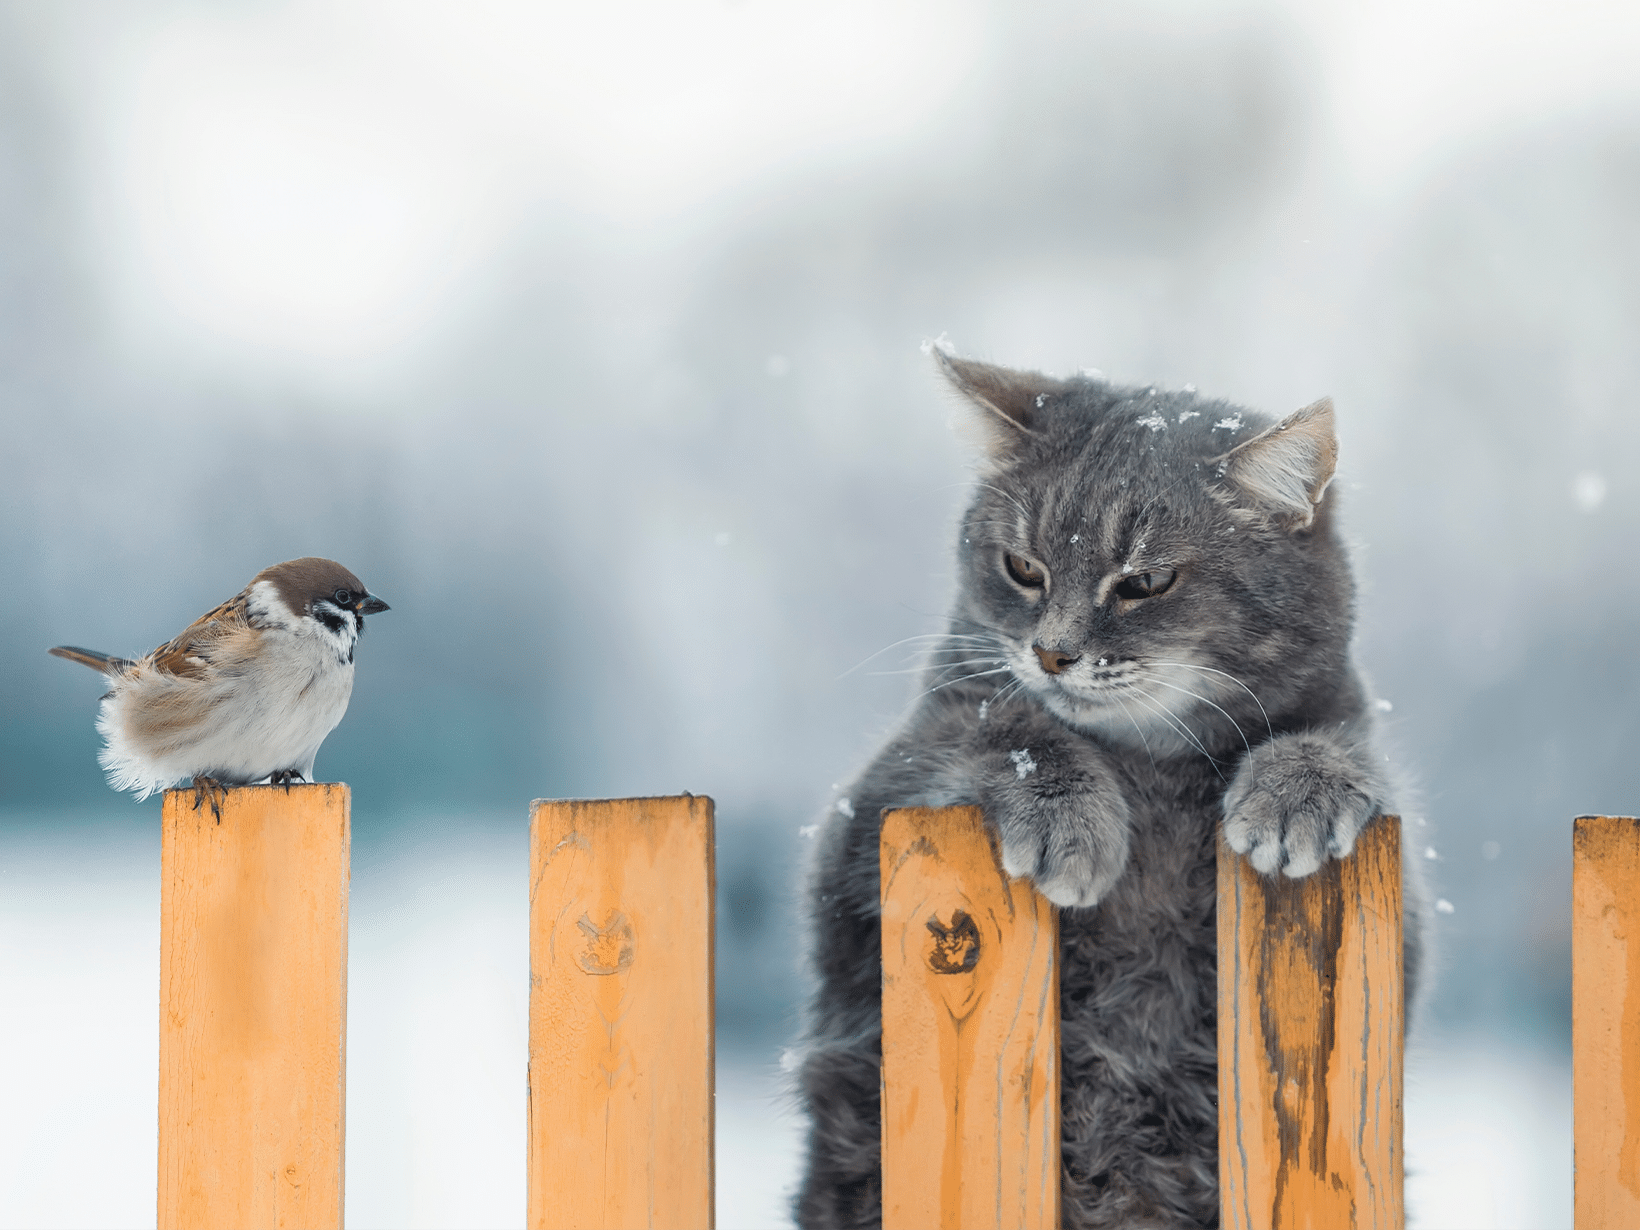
(1150, 639)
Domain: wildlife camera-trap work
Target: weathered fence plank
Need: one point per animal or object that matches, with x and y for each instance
(1311, 1029)
(1606, 1022)
(253, 1008)
(621, 1014)
(970, 1098)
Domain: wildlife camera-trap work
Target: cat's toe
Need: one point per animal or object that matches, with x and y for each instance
(1021, 855)
(1065, 863)
(1260, 843)
(1306, 850)
(1074, 885)
(1294, 837)
(1295, 804)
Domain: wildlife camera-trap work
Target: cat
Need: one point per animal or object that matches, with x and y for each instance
(1150, 641)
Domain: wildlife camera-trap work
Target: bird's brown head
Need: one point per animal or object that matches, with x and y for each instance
(302, 582)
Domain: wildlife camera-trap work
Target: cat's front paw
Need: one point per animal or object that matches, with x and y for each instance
(1295, 802)
(1071, 843)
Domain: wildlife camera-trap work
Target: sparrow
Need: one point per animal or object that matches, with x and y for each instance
(246, 693)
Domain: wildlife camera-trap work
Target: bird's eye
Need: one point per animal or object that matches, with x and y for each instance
(1146, 584)
(1026, 572)
(342, 597)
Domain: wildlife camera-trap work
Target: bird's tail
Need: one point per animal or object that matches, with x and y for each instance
(103, 662)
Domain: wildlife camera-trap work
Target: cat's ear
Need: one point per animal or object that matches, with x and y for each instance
(1285, 471)
(1009, 402)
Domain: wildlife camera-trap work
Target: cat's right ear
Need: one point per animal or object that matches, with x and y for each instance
(1009, 403)
(1285, 470)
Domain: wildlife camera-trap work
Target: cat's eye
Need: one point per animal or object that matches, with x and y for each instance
(1146, 584)
(1026, 572)
(342, 597)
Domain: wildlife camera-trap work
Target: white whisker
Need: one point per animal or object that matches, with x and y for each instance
(935, 666)
(1007, 691)
(937, 637)
(1191, 666)
(1177, 724)
(1164, 683)
(1140, 730)
(1012, 499)
(962, 679)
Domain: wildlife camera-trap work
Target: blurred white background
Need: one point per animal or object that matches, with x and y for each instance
(589, 336)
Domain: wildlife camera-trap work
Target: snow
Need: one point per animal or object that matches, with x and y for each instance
(1041, 400)
(1233, 423)
(1430, 852)
(1024, 766)
(1588, 491)
(942, 343)
(845, 807)
(1153, 421)
(807, 831)
(1443, 906)
(1186, 415)
(1383, 706)
(984, 709)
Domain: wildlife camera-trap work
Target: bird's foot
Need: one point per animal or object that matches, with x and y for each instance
(210, 788)
(284, 777)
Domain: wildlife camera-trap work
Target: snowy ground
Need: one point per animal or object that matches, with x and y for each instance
(435, 1057)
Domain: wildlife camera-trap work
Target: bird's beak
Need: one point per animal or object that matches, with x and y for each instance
(372, 605)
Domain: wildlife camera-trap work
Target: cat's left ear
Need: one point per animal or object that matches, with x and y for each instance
(1010, 402)
(1285, 471)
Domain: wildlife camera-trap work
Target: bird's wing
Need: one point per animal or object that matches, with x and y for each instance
(188, 653)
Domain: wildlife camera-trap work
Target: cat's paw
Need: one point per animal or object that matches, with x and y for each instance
(1295, 802)
(1072, 845)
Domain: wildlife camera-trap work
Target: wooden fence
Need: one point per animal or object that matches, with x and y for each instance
(1311, 1021)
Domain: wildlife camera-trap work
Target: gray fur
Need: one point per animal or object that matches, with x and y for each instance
(1228, 697)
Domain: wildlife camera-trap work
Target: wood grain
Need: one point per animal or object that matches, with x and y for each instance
(253, 1008)
(1311, 1032)
(1606, 1022)
(621, 1014)
(970, 1102)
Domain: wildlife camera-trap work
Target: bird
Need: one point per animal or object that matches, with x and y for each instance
(245, 694)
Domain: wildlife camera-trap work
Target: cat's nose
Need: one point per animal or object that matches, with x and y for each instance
(1056, 660)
